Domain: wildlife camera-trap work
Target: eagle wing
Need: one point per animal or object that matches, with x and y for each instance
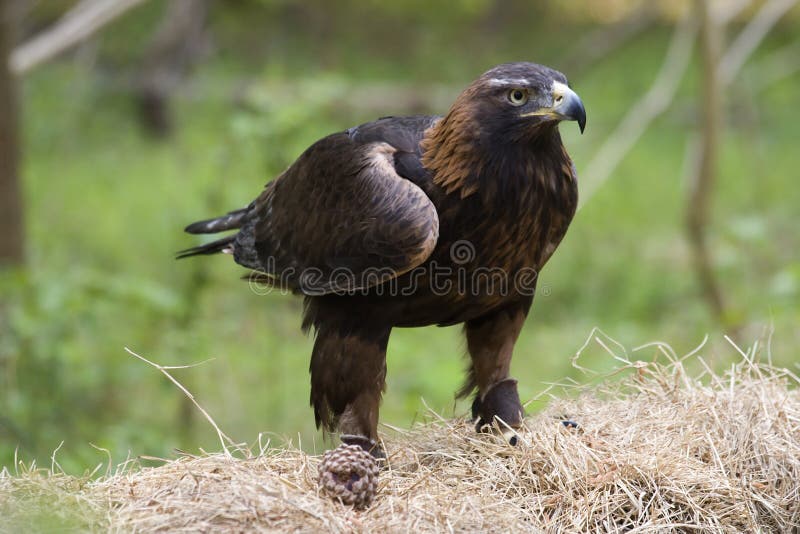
(339, 219)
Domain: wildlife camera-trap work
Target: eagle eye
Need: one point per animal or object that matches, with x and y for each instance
(517, 96)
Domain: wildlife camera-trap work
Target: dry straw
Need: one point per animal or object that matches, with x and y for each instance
(656, 450)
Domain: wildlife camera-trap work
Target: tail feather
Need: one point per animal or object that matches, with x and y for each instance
(230, 221)
(220, 245)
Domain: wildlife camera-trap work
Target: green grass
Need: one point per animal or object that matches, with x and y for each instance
(105, 209)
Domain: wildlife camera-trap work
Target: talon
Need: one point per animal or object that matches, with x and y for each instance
(511, 437)
(476, 407)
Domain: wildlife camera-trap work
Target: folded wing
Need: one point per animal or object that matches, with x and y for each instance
(339, 219)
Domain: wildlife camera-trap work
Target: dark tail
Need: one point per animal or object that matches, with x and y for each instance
(231, 221)
(220, 245)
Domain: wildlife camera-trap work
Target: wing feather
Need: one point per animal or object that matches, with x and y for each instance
(339, 219)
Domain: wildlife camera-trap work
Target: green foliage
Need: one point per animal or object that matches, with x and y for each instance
(106, 208)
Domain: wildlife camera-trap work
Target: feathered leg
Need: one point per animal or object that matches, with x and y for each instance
(348, 372)
(490, 341)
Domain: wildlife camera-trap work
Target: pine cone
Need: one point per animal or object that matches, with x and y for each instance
(349, 473)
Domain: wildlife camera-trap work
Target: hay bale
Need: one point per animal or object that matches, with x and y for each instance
(655, 451)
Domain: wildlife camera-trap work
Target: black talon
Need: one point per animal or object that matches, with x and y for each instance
(476, 407)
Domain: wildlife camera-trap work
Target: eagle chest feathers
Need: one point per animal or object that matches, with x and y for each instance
(511, 204)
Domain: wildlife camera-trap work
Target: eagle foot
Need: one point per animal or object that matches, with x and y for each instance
(368, 445)
(501, 402)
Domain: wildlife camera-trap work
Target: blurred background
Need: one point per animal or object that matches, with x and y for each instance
(123, 120)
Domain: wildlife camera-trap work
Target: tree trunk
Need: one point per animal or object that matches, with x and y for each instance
(701, 187)
(11, 223)
(176, 45)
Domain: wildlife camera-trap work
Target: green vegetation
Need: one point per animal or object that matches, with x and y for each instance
(106, 207)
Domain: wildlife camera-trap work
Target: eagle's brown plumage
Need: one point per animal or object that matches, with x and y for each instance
(411, 221)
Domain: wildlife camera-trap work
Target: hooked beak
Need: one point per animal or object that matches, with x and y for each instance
(567, 105)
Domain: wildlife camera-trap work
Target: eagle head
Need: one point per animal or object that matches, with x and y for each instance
(499, 124)
(521, 98)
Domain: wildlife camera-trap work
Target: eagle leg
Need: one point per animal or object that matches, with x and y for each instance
(490, 341)
(348, 372)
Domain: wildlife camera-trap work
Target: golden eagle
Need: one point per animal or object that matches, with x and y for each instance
(413, 221)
